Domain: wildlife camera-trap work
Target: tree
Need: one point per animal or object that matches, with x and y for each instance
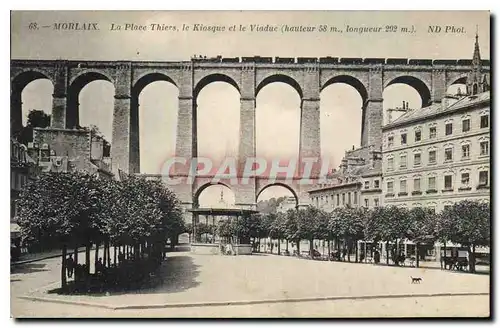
(389, 223)
(354, 223)
(422, 228)
(470, 221)
(65, 207)
(335, 229)
(277, 229)
(36, 119)
(292, 228)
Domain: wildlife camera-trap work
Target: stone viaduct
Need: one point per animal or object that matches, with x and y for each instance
(308, 76)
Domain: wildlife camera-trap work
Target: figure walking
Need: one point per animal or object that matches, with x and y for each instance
(70, 265)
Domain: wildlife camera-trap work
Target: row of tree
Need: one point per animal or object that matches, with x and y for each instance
(466, 223)
(76, 209)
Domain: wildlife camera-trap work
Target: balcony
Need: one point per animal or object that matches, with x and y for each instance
(389, 195)
(464, 189)
(431, 191)
(403, 193)
(416, 192)
(447, 190)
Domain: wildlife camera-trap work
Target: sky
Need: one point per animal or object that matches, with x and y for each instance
(278, 104)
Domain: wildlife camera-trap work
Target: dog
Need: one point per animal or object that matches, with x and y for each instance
(415, 280)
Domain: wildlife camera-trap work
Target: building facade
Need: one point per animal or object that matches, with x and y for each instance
(67, 150)
(287, 204)
(23, 168)
(438, 155)
(356, 183)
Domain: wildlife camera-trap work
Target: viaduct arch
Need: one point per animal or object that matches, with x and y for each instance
(248, 75)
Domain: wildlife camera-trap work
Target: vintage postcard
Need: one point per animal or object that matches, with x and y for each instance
(250, 164)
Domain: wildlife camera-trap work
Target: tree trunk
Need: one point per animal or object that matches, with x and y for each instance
(311, 247)
(75, 254)
(329, 249)
(298, 247)
(108, 253)
(137, 251)
(96, 256)
(63, 268)
(87, 258)
(417, 255)
(279, 246)
(272, 246)
(114, 255)
(356, 248)
(349, 248)
(286, 243)
(444, 255)
(387, 252)
(105, 254)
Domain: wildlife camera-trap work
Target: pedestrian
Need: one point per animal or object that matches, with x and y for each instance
(99, 267)
(70, 265)
(121, 258)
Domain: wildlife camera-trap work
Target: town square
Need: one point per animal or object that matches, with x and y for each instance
(314, 182)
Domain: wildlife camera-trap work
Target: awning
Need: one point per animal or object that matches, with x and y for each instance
(15, 230)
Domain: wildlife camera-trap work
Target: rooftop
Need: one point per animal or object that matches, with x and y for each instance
(437, 109)
(222, 211)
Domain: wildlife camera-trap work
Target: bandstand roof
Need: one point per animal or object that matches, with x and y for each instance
(222, 211)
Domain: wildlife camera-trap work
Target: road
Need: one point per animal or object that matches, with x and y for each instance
(189, 278)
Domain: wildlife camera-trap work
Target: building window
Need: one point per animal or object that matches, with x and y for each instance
(483, 178)
(432, 183)
(485, 121)
(418, 135)
(484, 148)
(402, 186)
(432, 157)
(375, 202)
(355, 196)
(403, 138)
(390, 163)
(367, 202)
(349, 198)
(465, 179)
(448, 154)
(343, 199)
(402, 161)
(390, 187)
(416, 184)
(390, 141)
(12, 180)
(376, 184)
(449, 128)
(417, 159)
(448, 182)
(338, 199)
(367, 184)
(466, 125)
(465, 151)
(432, 132)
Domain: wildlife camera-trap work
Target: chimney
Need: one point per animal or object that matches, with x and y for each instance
(444, 103)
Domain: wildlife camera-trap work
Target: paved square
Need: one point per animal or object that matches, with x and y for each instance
(192, 278)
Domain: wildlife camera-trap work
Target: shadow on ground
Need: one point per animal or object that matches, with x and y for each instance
(176, 274)
(28, 268)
